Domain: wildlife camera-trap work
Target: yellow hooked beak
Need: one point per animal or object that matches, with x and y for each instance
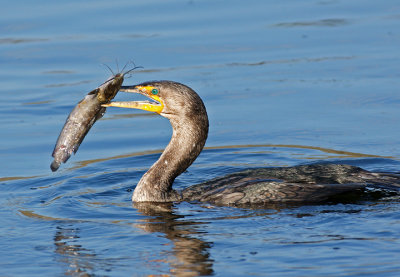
(148, 91)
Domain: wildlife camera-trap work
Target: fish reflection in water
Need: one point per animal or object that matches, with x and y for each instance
(190, 256)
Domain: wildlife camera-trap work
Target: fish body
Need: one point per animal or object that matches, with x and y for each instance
(82, 118)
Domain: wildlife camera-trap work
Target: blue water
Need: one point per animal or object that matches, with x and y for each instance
(284, 83)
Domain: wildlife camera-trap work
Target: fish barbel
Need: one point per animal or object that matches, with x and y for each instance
(82, 118)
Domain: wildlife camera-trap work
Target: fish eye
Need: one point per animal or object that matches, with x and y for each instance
(154, 91)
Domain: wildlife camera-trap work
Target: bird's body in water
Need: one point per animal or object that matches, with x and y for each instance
(188, 117)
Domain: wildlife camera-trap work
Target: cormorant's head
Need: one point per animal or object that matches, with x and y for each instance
(169, 99)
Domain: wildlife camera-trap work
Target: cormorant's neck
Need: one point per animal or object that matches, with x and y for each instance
(188, 139)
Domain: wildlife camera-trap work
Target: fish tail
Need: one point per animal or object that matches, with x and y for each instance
(54, 165)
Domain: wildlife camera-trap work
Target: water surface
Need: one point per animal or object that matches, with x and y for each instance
(284, 83)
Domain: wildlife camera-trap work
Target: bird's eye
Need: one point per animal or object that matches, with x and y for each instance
(154, 91)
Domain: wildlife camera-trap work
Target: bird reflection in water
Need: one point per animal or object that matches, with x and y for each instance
(190, 255)
(78, 259)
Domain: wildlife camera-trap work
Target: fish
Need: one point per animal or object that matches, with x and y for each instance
(82, 118)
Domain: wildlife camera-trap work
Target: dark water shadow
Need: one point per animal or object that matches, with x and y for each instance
(247, 64)
(326, 153)
(21, 40)
(330, 22)
(72, 84)
(338, 154)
